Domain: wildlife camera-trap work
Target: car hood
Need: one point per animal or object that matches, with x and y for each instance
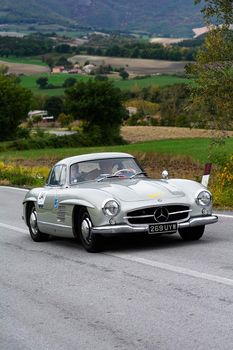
(139, 190)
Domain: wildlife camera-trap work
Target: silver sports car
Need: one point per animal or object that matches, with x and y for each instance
(104, 194)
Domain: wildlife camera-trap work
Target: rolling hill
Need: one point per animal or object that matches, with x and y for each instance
(161, 17)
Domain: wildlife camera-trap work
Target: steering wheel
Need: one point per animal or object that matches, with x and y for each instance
(124, 171)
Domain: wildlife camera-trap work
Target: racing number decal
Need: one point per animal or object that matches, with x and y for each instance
(41, 199)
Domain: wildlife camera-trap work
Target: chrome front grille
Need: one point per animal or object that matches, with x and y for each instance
(157, 214)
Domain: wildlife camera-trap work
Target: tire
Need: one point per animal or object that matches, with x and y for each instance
(90, 242)
(192, 233)
(35, 233)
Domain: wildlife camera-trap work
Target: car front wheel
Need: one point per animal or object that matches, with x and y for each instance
(90, 241)
(35, 233)
(192, 233)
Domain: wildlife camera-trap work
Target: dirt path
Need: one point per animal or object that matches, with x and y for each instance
(134, 65)
(27, 69)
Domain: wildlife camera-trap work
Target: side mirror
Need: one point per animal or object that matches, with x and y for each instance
(165, 174)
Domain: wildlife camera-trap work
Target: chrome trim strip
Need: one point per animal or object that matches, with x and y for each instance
(138, 217)
(51, 224)
(180, 212)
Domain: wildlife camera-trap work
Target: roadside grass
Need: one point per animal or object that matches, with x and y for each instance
(23, 60)
(198, 149)
(58, 79)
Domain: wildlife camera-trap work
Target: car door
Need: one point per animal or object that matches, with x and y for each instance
(48, 201)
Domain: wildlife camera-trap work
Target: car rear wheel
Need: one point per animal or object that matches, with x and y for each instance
(35, 233)
(90, 241)
(192, 233)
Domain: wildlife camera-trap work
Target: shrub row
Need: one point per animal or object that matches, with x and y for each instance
(222, 188)
(23, 176)
(52, 141)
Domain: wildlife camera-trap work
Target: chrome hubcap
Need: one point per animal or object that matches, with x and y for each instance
(86, 229)
(33, 222)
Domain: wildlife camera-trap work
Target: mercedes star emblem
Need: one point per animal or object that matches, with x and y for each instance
(161, 214)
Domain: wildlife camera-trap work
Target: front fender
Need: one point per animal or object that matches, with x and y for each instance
(29, 199)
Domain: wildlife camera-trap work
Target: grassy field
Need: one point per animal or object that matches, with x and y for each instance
(29, 82)
(159, 80)
(198, 149)
(58, 79)
(24, 60)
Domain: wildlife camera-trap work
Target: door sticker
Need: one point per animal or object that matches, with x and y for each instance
(41, 199)
(56, 203)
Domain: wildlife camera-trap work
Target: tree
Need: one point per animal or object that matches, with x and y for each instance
(54, 105)
(173, 101)
(220, 11)
(62, 61)
(123, 74)
(14, 106)
(212, 92)
(3, 69)
(49, 61)
(42, 82)
(69, 82)
(63, 48)
(100, 105)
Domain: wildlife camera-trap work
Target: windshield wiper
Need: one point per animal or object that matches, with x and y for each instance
(139, 173)
(109, 176)
(106, 176)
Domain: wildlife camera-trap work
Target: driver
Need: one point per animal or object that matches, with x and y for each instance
(106, 166)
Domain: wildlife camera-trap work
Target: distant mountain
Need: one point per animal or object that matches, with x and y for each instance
(164, 17)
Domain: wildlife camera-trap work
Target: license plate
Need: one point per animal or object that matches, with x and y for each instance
(163, 228)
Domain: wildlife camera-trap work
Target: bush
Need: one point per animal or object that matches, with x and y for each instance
(22, 133)
(183, 121)
(222, 187)
(65, 120)
(23, 176)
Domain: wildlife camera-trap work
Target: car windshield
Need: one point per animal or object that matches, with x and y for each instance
(104, 169)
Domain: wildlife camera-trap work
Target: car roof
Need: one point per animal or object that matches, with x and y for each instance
(93, 156)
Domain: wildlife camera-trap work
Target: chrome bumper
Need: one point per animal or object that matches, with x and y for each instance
(118, 229)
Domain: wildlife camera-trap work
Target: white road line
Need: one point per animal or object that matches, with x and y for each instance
(176, 269)
(15, 188)
(13, 228)
(225, 216)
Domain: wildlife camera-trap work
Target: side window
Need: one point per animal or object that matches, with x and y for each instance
(55, 176)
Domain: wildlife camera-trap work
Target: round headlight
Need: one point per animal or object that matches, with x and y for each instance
(204, 198)
(111, 208)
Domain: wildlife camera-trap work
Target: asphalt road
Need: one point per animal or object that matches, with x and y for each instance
(160, 293)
